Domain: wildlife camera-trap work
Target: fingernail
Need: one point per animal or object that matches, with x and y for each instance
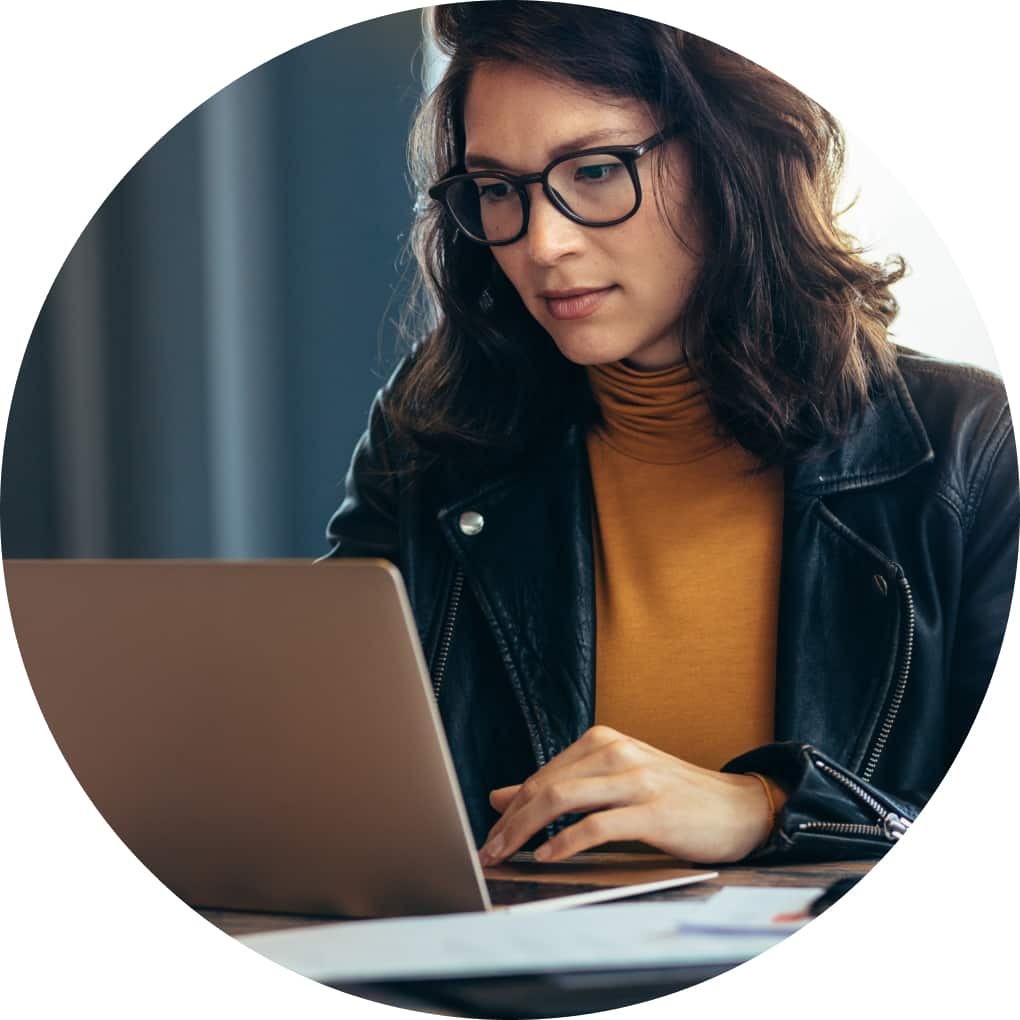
(543, 853)
(493, 849)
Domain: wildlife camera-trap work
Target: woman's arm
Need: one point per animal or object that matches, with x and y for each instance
(366, 523)
(829, 813)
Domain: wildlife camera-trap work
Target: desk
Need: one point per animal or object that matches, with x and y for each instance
(560, 994)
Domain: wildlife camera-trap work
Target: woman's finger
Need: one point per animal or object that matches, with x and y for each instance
(592, 740)
(565, 796)
(500, 799)
(623, 823)
(604, 758)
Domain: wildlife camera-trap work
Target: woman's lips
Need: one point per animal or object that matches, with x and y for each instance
(576, 306)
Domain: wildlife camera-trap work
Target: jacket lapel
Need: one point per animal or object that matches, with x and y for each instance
(840, 614)
(530, 568)
(839, 619)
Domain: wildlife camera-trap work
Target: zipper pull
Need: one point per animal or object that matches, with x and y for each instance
(893, 826)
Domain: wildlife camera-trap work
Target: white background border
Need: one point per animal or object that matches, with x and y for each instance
(88, 88)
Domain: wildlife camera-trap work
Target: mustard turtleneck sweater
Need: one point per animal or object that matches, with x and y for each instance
(687, 554)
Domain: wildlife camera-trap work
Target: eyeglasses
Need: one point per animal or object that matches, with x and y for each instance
(593, 187)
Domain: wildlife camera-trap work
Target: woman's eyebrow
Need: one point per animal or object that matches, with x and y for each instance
(584, 141)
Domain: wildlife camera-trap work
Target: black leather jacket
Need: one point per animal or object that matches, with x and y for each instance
(899, 555)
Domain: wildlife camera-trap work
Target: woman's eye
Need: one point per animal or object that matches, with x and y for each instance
(494, 192)
(597, 171)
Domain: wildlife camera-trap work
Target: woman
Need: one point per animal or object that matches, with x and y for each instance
(698, 557)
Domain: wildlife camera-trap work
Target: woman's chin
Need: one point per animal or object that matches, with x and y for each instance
(591, 350)
(602, 351)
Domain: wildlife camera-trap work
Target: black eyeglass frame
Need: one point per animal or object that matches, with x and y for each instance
(627, 154)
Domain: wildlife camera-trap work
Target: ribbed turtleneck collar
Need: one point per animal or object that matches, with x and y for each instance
(660, 416)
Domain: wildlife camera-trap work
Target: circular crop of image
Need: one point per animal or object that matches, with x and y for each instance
(509, 510)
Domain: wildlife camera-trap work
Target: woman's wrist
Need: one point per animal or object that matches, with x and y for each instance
(775, 796)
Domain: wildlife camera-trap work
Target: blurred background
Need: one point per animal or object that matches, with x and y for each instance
(204, 363)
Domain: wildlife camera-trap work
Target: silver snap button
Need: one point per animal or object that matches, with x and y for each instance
(881, 584)
(471, 522)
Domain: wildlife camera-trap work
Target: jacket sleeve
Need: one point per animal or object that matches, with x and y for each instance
(832, 814)
(366, 524)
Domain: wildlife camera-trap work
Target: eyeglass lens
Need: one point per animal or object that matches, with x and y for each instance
(597, 188)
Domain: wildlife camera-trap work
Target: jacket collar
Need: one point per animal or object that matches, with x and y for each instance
(888, 442)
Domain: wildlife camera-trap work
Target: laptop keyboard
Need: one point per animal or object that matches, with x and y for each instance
(505, 892)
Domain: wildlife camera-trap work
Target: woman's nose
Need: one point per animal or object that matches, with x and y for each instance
(551, 235)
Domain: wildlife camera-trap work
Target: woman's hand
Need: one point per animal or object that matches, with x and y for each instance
(635, 792)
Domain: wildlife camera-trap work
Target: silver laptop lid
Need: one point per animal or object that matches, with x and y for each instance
(262, 735)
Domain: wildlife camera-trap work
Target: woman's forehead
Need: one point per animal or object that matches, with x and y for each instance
(513, 114)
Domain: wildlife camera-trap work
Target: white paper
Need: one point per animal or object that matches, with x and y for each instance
(748, 910)
(729, 927)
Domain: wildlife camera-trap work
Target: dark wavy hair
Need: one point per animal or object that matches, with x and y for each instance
(787, 324)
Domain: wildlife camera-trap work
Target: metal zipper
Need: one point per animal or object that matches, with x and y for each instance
(890, 825)
(445, 639)
(446, 635)
(900, 688)
(842, 828)
(882, 736)
(536, 743)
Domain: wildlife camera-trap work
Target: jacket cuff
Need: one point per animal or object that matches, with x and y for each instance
(830, 813)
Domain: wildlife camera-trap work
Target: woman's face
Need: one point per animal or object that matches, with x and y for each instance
(626, 285)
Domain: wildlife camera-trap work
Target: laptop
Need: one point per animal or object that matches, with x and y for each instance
(262, 735)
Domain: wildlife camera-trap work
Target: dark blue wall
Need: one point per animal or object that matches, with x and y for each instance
(203, 366)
